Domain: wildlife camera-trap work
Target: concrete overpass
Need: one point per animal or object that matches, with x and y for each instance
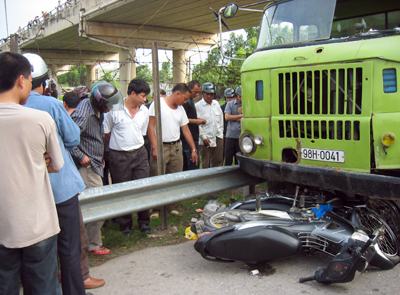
(91, 31)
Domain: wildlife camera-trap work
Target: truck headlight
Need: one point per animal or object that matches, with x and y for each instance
(247, 145)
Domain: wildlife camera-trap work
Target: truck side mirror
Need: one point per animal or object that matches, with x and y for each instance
(230, 10)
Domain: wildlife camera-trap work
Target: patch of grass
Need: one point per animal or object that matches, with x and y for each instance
(121, 244)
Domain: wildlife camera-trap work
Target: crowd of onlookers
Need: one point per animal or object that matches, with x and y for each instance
(52, 150)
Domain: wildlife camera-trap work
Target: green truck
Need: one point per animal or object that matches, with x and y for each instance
(321, 98)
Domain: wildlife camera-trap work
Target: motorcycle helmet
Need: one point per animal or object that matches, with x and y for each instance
(208, 87)
(238, 91)
(104, 95)
(229, 93)
(82, 92)
(40, 71)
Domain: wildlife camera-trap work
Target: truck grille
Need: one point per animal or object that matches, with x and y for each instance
(318, 92)
(320, 129)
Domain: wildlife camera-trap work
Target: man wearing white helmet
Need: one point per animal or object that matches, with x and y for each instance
(66, 184)
(28, 216)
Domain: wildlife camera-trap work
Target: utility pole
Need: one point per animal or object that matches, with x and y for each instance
(157, 111)
(5, 12)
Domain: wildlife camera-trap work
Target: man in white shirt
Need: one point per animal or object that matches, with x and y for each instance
(211, 134)
(173, 120)
(28, 217)
(124, 126)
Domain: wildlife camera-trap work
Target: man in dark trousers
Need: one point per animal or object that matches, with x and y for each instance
(194, 122)
(124, 128)
(233, 115)
(66, 184)
(90, 153)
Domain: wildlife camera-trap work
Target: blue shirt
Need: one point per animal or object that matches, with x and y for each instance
(67, 182)
(233, 127)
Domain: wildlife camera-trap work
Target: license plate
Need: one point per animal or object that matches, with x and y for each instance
(322, 155)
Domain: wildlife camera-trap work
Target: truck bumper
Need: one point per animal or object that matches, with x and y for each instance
(351, 183)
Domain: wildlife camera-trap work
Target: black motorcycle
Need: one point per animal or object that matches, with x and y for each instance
(272, 227)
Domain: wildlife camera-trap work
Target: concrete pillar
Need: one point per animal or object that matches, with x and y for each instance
(53, 69)
(14, 46)
(178, 66)
(91, 75)
(53, 72)
(127, 69)
(133, 63)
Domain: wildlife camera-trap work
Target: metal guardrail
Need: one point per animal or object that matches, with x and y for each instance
(123, 198)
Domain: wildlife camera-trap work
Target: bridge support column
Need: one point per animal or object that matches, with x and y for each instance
(91, 75)
(133, 63)
(53, 74)
(127, 69)
(178, 66)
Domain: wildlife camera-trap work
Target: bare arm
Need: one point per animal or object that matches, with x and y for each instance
(229, 117)
(197, 121)
(53, 155)
(106, 138)
(189, 139)
(151, 133)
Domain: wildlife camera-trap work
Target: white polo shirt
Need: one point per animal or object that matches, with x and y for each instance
(171, 120)
(126, 131)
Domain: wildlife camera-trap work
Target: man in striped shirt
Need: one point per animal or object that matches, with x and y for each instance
(89, 154)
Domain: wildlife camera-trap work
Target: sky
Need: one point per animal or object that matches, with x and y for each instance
(20, 12)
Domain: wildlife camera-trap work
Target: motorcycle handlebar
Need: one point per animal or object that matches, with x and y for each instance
(306, 279)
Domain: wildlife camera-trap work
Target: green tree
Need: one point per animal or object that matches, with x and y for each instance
(143, 72)
(74, 77)
(225, 72)
(166, 72)
(110, 76)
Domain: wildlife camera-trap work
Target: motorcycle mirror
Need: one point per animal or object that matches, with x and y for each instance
(230, 10)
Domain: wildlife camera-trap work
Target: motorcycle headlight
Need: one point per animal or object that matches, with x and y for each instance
(247, 145)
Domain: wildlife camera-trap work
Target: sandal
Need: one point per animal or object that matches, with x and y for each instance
(100, 251)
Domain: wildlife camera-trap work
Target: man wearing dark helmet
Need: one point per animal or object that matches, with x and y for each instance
(89, 154)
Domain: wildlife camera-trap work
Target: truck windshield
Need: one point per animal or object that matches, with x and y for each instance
(301, 21)
(296, 21)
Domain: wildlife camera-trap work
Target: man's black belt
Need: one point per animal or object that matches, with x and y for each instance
(172, 142)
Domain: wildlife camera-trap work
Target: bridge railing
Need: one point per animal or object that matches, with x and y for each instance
(124, 198)
(38, 24)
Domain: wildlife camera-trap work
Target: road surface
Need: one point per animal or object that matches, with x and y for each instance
(179, 269)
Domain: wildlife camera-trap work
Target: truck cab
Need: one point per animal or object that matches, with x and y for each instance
(321, 101)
